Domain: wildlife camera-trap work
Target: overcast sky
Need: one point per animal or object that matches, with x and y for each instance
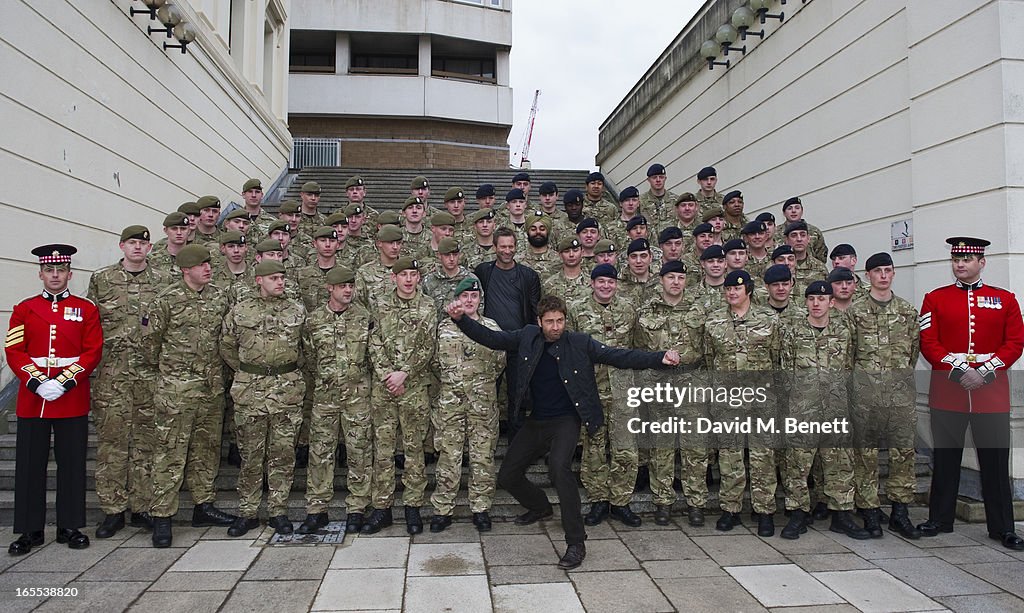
(584, 56)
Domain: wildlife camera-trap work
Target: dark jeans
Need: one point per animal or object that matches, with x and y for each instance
(558, 439)
(70, 439)
(515, 421)
(991, 433)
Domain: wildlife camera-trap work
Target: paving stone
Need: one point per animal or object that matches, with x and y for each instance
(271, 596)
(886, 593)
(446, 559)
(708, 529)
(830, 561)
(183, 536)
(657, 545)
(739, 550)
(536, 598)
(284, 563)
(527, 549)
(509, 527)
(709, 595)
(946, 539)
(823, 608)
(814, 541)
(538, 573)
(468, 593)
(1006, 575)
(648, 525)
(982, 603)
(395, 530)
(54, 557)
(10, 582)
(974, 554)
(602, 530)
(372, 553)
(184, 602)
(889, 546)
(459, 532)
(605, 554)
(340, 591)
(683, 569)
(782, 585)
(935, 577)
(217, 555)
(619, 591)
(196, 581)
(97, 596)
(132, 564)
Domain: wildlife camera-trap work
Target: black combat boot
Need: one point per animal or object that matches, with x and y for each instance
(281, 524)
(312, 523)
(843, 523)
(695, 516)
(820, 511)
(439, 522)
(766, 525)
(662, 514)
(354, 522)
(162, 532)
(728, 521)
(141, 520)
(625, 515)
(796, 525)
(482, 521)
(413, 521)
(871, 523)
(899, 522)
(378, 520)
(206, 514)
(111, 524)
(598, 512)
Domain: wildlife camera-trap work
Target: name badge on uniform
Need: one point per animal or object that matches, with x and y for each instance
(990, 302)
(72, 314)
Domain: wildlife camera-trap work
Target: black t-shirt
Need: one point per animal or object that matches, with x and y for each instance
(550, 398)
(505, 299)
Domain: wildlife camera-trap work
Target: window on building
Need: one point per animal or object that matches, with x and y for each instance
(381, 62)
(458, 67)
(491, 3)
(384, 53)
(312, 51)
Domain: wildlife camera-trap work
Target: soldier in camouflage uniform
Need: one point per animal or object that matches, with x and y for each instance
(176, 231)
(416, 238)
(355, 191)
(755, 235)
(707, 197)
(638, 282)
(540, 254)
(182, 340)
(735, 255)
(657, 202)
(260, 219)
(610, 462)
(844, 287)
(709, 293)
(571, 283)
(807, 268)
(672, 244)
(732, 204)
(289, 212)
(844, 255)
(440, 283)
(703, 237)
(402, 345)
(238, 220)
(122, 393)
(233, 267)
(311, 217)
(589, 233)
(686, 217)
(573, 205)
(629, 207)
(455, 204)
(886, 345)
(548, 193)
(281, 231)
(513, 216)
(716, 217)
(466, 415)
(597, 202)
(349, 253)
(360, 231)
(207, 233)
(442, 226)
(373, 279)
(480, 248)
(817, 353)
(339, 333)
(263, 343)
(793, 210)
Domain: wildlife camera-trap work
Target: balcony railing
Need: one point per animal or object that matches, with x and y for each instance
(315, 152)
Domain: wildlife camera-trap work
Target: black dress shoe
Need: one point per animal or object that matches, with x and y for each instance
(141, 520)
(482, 521)
(242, 525)
(110, 525)
(532, 517)
(766, 525)
(206, 514)
(378, 520)
(162, 532)
(625, 515)
(820, 511)
(354, 522)
(573, 557)
(73, 538)
(933, 528)
(439, 522)
(796, 525)
(728, 521)
(281, 524)
(843, 523)
(234, 457)
(25, 543)
(413, 521)
(662, 515)
(312, 523)
(598, 512)
(1010, 540)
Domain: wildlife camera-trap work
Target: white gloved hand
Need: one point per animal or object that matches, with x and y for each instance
(50, 390)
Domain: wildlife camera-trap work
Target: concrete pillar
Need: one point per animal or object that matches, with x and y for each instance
(342, 53)
(501, 67)
(424, 61)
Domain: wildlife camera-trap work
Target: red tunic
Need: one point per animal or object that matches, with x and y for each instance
(971, 327)
(54, 339)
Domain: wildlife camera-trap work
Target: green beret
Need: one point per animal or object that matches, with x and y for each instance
(389, 217)
(139, 232)
(538, 216)
(207, 202)
(269, 244)
(355, 181)
(176, 218)
(232, 237)
(412, 200)
(469, 284)
(192, 255)
(405, 263)
(454, 193)
(190, 208)
(418, 182)
(448, 245)
(280, 224)
(481, 214)
(252, 184)
(390, 233)
(269, 267)
(715, 211)
(339, 275)
(442, 218)
(289, 206)
(310, 187)
(569, 242)
(325, 232)
(604, 246)
(336, 218)
(237, 214)
(353, 209)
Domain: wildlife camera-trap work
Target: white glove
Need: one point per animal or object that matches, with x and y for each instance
(50, 390)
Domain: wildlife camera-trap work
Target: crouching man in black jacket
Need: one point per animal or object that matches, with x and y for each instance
(557, 369)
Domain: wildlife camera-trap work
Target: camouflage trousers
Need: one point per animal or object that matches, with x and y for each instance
(661, 464)
(268, 413)
(229, 406)
(302, 439)
(763, 480)
(188, 420)
(409, 412)
(460, 421)
(836, 483)
(899, 486)
(332, 418)
(123, 412)
(610, 458)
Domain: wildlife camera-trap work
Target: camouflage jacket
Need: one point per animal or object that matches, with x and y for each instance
(183, 337)
(309, 223)
(372, 280)
(338, 350)
(612, 325)
(441, 288)
(545, 264)
(124, 302)
(403, 337)
(259, 226)
(885, 336)
(748, 343)
(464, 364)
(660, 211)
(707, 202)
(662, 326)
(473, 254)
(312, 283)
(268, 332)
(569, 290)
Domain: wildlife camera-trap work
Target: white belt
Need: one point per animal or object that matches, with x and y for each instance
(55, 362)
(974, 358)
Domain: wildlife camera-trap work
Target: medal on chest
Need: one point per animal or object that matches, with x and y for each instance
(990, 302)
(72, 314)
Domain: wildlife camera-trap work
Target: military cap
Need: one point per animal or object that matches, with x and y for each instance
(634, 221)
(840, 273)
(485, 191)
(454, 193)
(714, 211)
(765, 217)
(639, 244)
(966, 245)
(289, 206)
(252, 184)
(176, 218)
(655, 169)
(735, 244)
(192, 255)
(521, 176)
(237, 214)
(405, 263)
(389, 218)
(573, 196)
(448, 245)
(569, 242)
(269, 267)
(548, 187)
(793, 226)
(605, 246)
(418, 182)
(668, 234)
(354, 181)
(538, 217)
(707, 172)
(776, 273)
(782, 250)
(280, 224)
(595, 176)
(232, 237)
(714, 252)
(672, 266)
(310, 187)
(818, 288)
(604, 270)
(753, 227)
(588, 222)
(733, 194)
(208, 202)
(879, 259)
(336, 218)
(842, 249)
(790, 202)
(390, 233)
(629, 192)
(686, 197)
(138, 232)
(269, 244)
(411, 200)
(325, 232)
(340, 275)
(515, 194)
(469, 284)
(739, 278)
(703, 228)
(60, 254)
(190, 208)
(442, 218)
(481, 214)
(353, 209)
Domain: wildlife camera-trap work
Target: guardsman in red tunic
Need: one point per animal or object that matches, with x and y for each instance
(53, 343)
(971, 333)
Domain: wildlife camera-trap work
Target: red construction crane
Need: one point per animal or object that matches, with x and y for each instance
(524, 159)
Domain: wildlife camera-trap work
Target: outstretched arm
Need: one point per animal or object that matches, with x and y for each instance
(492, 339)
(631, 358)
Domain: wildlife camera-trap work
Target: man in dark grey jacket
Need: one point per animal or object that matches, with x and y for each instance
(556, 368)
